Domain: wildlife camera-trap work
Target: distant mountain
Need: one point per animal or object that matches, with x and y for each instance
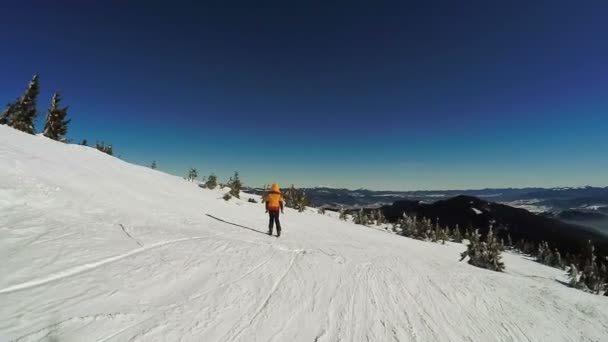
(467, 211)
(533, 199)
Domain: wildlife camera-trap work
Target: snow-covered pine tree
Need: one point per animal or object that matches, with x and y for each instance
(573, 275)
(457, 235)
(436, 233)
(380, 217)
(56, 126)
(405, 224)
(25, 111)
(484, 254)
(557, 259)
(342, 214)
(8, 113)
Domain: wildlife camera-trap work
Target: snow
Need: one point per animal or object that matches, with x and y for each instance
(590, 207)
(97, 249)
(477, 211)
(529, 205)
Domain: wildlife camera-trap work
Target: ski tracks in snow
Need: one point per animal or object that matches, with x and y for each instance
(93, 265)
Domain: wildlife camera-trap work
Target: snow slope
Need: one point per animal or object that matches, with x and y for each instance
(96, 249)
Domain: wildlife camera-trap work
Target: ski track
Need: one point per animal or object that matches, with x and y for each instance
(91, 266)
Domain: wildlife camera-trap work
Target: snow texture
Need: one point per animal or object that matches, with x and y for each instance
(97, 249)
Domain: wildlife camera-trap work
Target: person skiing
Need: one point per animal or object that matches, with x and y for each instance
(274, 203)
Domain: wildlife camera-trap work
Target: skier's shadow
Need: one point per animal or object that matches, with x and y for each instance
(235, 224)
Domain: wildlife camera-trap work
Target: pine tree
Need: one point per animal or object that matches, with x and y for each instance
(379, 217)
(153, 166)
(84, 142)
(484, 254)
(211, 182)
(192, 174)
(573, 275)
(457, 235)
(8, 113)
(557, 259)
(235, 185)
(103, 148)
(56, 126)
(342, 214)
(24, 111)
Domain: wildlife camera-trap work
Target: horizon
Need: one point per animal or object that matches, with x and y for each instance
(382, 97)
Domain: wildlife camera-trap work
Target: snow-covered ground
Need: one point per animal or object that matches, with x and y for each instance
(530, 205)
(96, 249)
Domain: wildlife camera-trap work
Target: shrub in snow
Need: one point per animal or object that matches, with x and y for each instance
(56, 126)
(251, 200)
(211, 182)
(296, 199)
(227, 197)
(321, 211)
(484, 254)
(235, 185)
(192, 174)
(104, 148)
(153, 165)
(343, 216)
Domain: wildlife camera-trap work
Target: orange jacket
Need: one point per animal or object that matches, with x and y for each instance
(274, 199)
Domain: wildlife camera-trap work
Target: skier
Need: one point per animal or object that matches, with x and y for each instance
(274, 202)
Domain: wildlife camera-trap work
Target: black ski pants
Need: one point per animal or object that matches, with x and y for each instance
(274, 218)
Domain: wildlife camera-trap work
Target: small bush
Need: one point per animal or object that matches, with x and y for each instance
(251, 200)
(211, 182)
(227, 197)
(235, 185)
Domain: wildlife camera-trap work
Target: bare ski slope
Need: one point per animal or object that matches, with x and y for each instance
(96, 249)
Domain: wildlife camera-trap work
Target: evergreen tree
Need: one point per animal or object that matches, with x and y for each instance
(379, 217)
(557, 259)
(84, 142)
(457, 235)
(235, 185)
(192, 174)
(297, 199)
(56, 126)
(343, 214)
(211, 182)
(573, 275)
(153, 165)
(24, 110)
(8, 113)
(103, 148)
(484, 254)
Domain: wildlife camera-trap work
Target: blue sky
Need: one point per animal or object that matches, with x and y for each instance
(380, 95)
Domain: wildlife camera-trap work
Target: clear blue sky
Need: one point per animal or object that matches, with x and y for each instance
(357, 94)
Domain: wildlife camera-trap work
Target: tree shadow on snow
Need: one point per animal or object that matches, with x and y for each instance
(235, 224)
